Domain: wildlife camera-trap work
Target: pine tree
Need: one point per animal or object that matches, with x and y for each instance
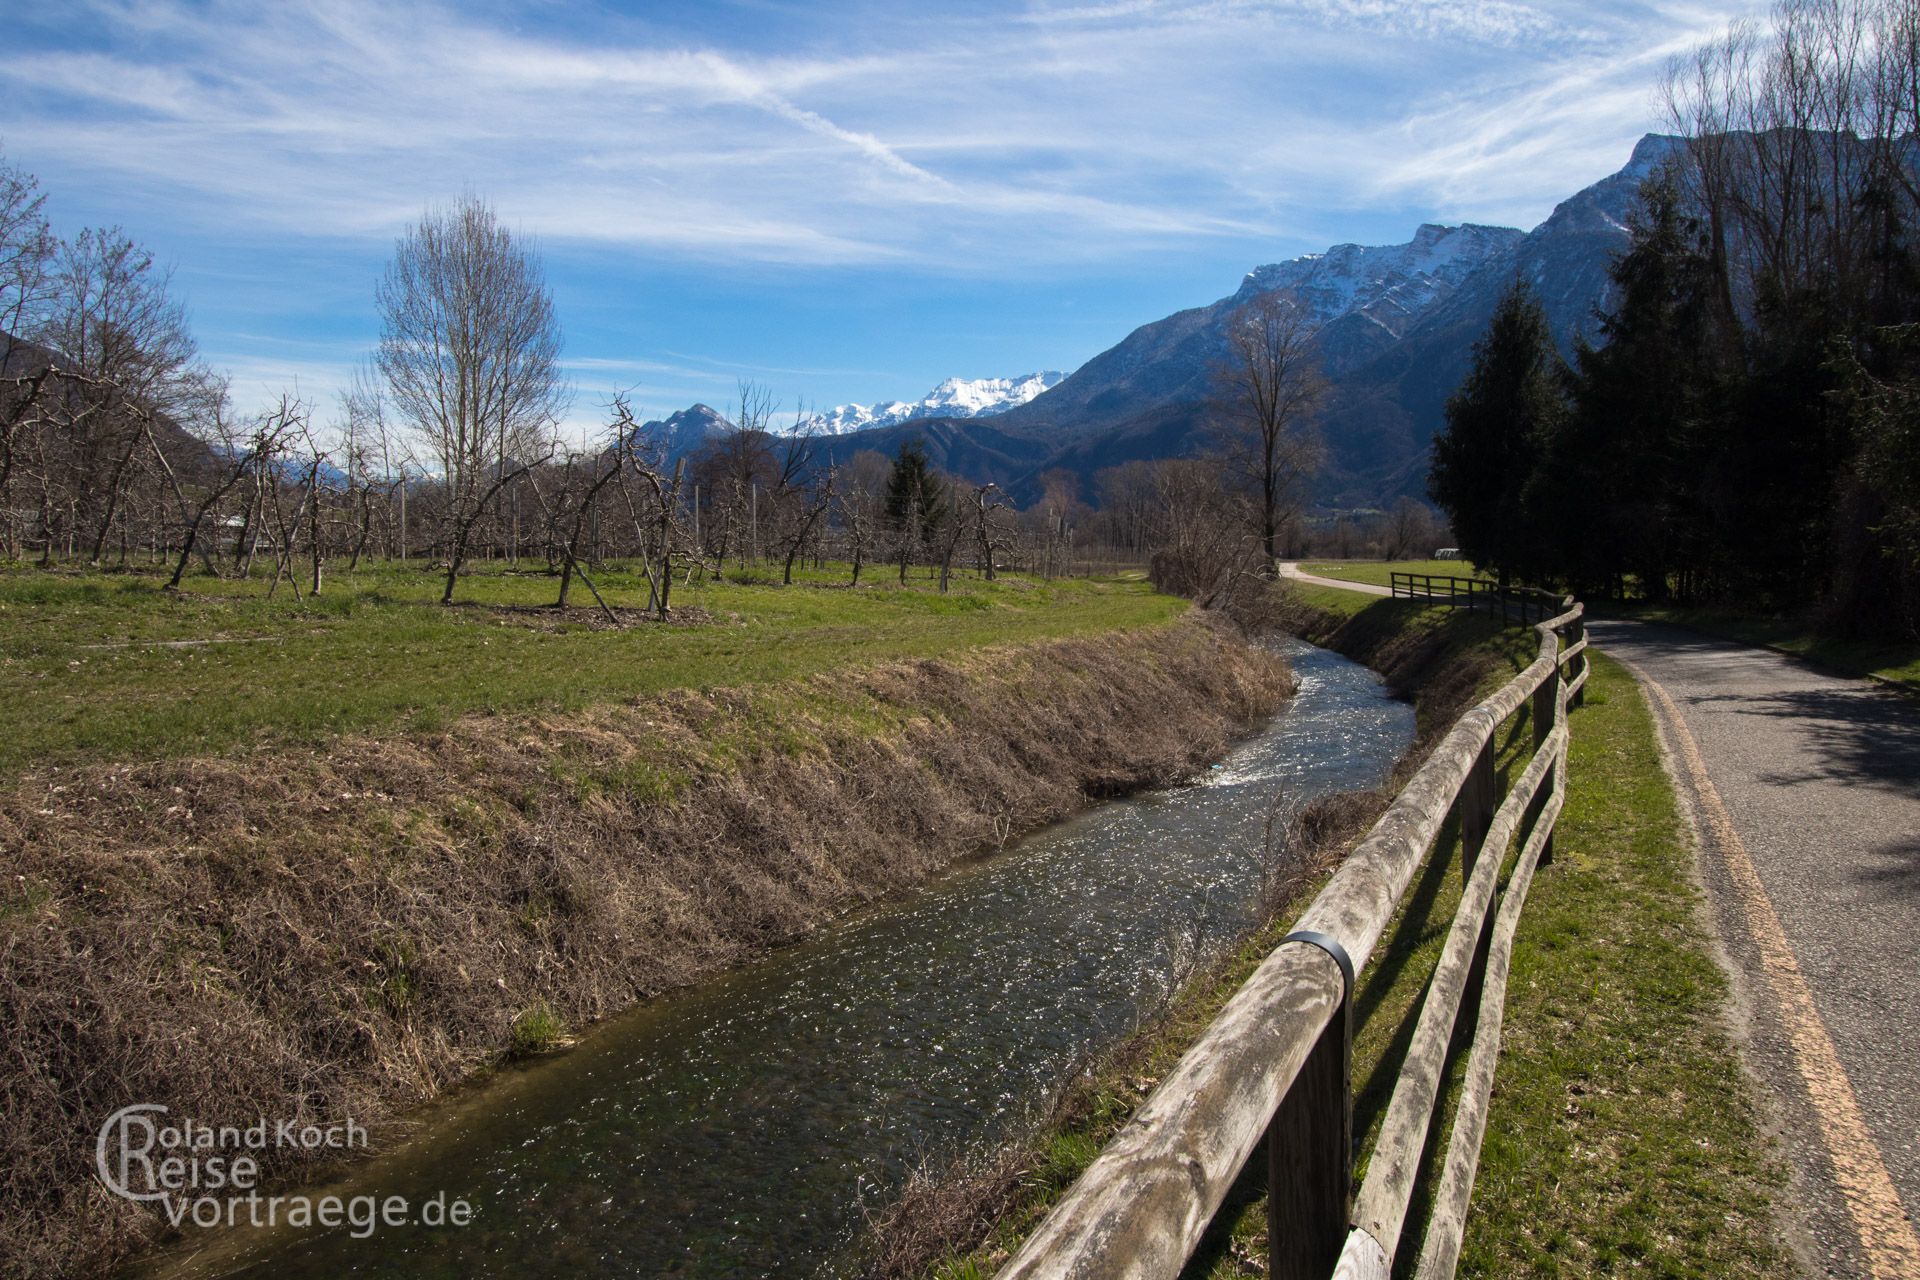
(1626, 474)
(915, 494)
(1497, 422)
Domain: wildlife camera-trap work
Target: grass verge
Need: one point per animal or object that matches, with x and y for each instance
(1622, 1137)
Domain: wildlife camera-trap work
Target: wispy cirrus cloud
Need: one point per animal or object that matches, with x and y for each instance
(1004, 142)
(1497, 21)
(1041, 127)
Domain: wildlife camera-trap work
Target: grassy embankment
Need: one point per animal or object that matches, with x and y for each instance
(357, 849)
(1622, 1136)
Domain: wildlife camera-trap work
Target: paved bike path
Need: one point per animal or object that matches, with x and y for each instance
(1291, 569)
(1805, 789)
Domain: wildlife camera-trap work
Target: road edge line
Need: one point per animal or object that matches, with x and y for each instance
(1885, 1234)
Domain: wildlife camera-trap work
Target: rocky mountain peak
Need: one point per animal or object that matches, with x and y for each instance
(1390, 285)
(953, 398)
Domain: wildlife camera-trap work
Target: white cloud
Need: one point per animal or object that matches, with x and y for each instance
(1077, 130)
(1003, 144)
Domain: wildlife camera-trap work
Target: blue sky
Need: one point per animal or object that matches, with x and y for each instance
(847, 202)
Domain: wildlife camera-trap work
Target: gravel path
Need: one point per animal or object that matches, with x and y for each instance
(1805, 789)
(1291, 569)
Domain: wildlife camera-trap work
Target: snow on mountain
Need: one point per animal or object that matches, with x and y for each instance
(954, 398)
(843, 418)
(1391, 285)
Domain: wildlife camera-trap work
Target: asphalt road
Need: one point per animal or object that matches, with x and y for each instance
(1805, 788)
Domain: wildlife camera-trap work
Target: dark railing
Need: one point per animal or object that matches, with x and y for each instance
(1524, 605)
(1274, 1068)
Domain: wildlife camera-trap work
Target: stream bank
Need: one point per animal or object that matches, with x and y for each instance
(968, 1222)
(746, 1126)
(346, 931)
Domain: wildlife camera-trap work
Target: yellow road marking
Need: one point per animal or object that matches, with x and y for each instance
(1886, 1236)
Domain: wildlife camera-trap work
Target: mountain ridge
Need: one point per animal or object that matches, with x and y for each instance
(1396, 326)
(952, 398)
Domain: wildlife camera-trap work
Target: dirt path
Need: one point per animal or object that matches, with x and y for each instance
(1805, 791)
(1291, 569)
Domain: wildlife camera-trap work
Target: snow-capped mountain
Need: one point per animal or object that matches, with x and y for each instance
(1392, 285)
(954, 398)
(686, 431)
(1364, 299)
(1395, 330)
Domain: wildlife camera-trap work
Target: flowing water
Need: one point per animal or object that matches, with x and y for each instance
(738, 1128)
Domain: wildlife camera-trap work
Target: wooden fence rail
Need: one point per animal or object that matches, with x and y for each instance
(1275, 1065)
(1515, 604)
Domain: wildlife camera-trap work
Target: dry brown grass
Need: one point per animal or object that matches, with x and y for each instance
(345, 931)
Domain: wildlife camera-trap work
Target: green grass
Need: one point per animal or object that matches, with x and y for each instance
(1888, 660)
(85, 673)
(1377, 572)
(1622, 1137)
(538, 1029)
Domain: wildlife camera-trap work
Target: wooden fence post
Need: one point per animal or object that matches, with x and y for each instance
(1310, 1147)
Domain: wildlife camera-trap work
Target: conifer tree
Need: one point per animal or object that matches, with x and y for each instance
(916, 500)
(1497, 424)
(1626, 473)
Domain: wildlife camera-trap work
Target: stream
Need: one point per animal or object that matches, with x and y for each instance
(745, 1126)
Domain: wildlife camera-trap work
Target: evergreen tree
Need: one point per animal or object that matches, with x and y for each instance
(1625, 474)
(915, 494)
(1875, 587)
(1497, 424)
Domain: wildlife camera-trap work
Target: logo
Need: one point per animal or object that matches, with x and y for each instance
(210, 1175)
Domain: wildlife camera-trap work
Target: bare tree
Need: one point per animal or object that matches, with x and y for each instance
(114, 323)
(1270, 387)
(802, 491)
(983, 505)
(369, 450)
(317, 458)
(26, 257)
(1127, 506)
(469, 348)
(1798, 151)
(1205, 547)
(1057, 517)
(862, 495)
(566, 518)
(247, 453)
(1408, 525)
(659, 530)
(950, 528)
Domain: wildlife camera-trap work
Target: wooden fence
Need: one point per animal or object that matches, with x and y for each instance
(1515, 604)
(1275, 1068)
